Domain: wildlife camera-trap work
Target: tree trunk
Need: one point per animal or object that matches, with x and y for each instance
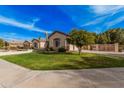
(73, 47)
(79, 50)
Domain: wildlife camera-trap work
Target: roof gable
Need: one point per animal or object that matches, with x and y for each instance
(38, 40)
(35, 40)
(57, 32)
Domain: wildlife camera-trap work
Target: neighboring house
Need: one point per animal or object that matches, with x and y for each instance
(27, 44)
(38, 43)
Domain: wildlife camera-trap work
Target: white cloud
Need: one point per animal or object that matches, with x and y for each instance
(10, 36)
(105, 9)
(96, 21)
(115, 21)
(102, 12)
(12, 22)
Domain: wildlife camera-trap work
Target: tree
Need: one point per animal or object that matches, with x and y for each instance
(115, 35)
(120, 37)
(101, 39)
(6, 45)
(80, 38)
(39, 38)
(1, 43)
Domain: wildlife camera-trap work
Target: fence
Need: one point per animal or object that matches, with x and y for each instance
(98, 47)
(105, 47)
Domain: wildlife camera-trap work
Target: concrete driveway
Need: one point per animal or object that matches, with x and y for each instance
(12, 75)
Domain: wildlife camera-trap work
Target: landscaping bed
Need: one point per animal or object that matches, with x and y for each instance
(64, 61)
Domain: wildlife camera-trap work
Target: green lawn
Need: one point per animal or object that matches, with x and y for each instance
(64, 61)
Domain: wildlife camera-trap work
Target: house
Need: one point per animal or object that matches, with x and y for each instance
(58, 39)
(38, 43)
(27, 44)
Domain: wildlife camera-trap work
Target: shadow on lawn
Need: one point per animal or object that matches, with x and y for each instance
(98, 62)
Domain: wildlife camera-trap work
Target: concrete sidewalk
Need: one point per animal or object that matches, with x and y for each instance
(12, 75)
(2, 53)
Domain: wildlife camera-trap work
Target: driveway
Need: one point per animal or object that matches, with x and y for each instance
(12, 75)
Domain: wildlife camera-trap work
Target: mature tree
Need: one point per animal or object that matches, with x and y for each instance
(71, 38)
(6, 45)
(1, 43)
(101, 39)
(115, 35)
(120, 36)
(39, 38)
(80, 38)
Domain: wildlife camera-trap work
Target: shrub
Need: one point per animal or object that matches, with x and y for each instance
(38, 50)
(61, 49)
(47, 49)
(51, 49)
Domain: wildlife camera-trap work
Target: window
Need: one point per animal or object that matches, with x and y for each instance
(57, 42)
(35, 45)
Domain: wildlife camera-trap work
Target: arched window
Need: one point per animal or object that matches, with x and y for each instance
(35, 45)
(57, 42)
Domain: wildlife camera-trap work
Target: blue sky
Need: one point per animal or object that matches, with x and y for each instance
(27, 22)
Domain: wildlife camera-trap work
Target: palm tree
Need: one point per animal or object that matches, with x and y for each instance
(47, 40)
(39, 39)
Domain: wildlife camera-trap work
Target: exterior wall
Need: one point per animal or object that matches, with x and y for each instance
(72, 48)
(35, 42)
(62, 38)
(42, 44)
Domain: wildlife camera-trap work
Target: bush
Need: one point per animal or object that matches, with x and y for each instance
(38, 50)
(51, 49)
(47, 49)
(61, 49)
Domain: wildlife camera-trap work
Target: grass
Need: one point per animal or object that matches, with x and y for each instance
(37, 61)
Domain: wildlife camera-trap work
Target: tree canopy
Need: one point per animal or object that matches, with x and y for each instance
(80, 38)
(111, 36)
(1, 43)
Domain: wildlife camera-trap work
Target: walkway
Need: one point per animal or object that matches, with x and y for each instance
(12, 75)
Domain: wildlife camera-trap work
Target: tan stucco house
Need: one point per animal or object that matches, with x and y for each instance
(58, 39)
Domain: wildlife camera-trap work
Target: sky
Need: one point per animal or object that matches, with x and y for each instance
(30, 21)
